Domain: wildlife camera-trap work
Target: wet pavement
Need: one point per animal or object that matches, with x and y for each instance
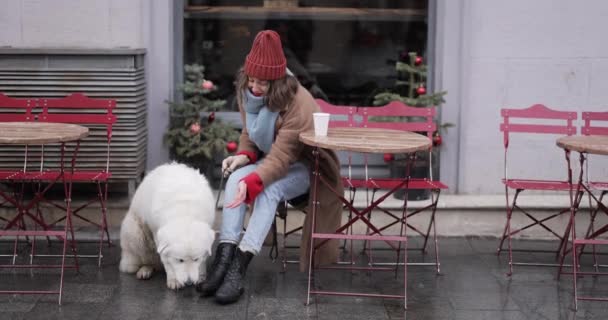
(473, 285)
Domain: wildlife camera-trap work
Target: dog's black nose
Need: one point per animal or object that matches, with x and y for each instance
(189, 283)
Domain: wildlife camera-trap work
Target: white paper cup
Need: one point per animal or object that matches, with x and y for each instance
(321, 121)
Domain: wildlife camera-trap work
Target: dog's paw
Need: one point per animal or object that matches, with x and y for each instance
(145, 272)
(173, 284)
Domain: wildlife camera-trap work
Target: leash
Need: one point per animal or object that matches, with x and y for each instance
(274, 249)
(219, 192)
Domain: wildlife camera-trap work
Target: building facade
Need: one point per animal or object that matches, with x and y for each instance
(486, 54)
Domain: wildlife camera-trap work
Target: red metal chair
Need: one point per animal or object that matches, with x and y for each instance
(96, 113)
(398, 116)
(340, 116)
(601, 187)
(537, 119)
(15, 110)
(20, 110)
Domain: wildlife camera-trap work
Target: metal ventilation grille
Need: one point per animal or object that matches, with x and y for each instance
(117, 75)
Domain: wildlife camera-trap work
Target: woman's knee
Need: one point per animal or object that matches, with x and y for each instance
(239, 174)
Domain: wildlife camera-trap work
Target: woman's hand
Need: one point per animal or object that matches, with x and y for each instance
(233, 162)
(239, 198)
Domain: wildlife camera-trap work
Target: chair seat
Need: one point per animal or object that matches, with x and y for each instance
(591, 241)
(79, 176)
(12, 175)
(388, 183)
(596, 185)
(527, 184)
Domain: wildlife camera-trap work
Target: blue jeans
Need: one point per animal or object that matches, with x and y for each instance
(295, 183)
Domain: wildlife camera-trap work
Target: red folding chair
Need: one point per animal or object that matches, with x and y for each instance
(537, 119)
(340, 116)
(398, 116)
(596, 203)
(20, 110)
(98, 115)
(14, 110)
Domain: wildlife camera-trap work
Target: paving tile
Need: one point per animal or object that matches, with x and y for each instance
(261, 308)
(473, 285)
(69, 310)
(484, 315)
(11, 315)
(349, 308)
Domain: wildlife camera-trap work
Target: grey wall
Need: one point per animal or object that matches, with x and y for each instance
(71, 23)
(493, 54)
(489, 54)
(107, 25)
(158, 39)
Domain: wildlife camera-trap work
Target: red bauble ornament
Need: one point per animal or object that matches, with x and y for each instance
(418, 60)
(421, 90)
(207, 85)
(437, 140)
(388, 157)
(231, 146)
(195, 128)
(211, 117)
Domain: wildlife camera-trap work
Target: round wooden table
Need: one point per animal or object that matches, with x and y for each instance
(368, 140)
(365, 140)
(40, 132)
(583, 145)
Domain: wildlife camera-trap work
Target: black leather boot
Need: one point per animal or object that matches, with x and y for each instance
(215, 275)
(232, 288)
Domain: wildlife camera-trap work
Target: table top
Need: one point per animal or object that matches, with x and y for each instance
(586, 144)
(40, 132)
(368, 140)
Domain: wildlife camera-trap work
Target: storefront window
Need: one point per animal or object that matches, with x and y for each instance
(342, 51)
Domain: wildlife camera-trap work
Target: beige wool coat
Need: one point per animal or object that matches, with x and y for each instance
(286, 150)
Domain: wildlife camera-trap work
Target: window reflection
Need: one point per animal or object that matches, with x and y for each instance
(342, 51)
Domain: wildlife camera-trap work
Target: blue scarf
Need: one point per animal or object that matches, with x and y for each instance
(260, 121)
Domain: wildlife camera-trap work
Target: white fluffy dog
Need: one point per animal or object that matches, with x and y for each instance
(169, 225)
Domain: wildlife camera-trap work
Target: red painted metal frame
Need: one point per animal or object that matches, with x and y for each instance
(88, 111)
(406, 117)
(534, 115)
(15, 110)
(23, 209)
(358, 215)
(8, 107)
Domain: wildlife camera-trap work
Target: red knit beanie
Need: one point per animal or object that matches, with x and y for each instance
(266, 60)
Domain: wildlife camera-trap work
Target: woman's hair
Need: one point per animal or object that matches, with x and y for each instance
(280, 91)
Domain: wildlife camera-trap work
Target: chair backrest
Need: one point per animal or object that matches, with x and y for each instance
(538, 113)
(14, 110)
(79, 109)
(537, 119)
(340, 116)
(589, 129)
(399, 116)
